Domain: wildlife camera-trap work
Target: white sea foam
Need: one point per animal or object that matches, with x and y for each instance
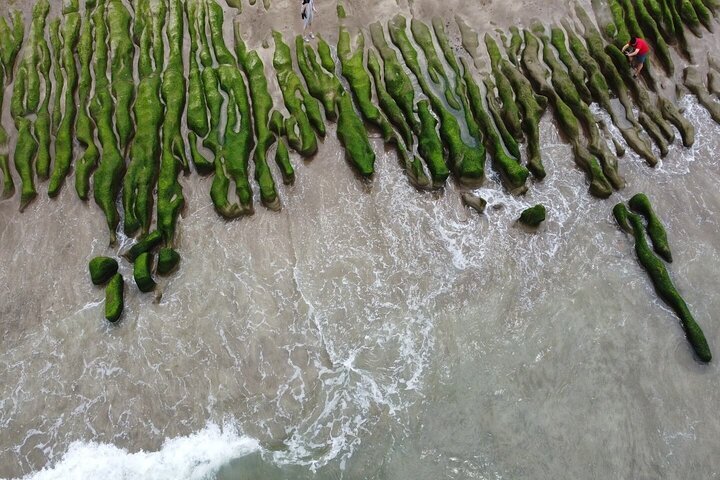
(196, 456)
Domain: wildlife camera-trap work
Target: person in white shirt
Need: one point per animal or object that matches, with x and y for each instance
(307, 13)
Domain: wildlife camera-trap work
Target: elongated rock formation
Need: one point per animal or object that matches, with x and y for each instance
(397, 82)
(173, 160)
(262, 104)
(640, 203)
(353, 69)
(663, 284)
(26, 102)
(565, 88)
(301, 106)
(85, 129)
(111, 169)
(197, 115)
(121, 69)
(233, 160)
(511, 113)
(142, 172)
(567, 121)
(42, 125)
(512, 172)
(66, 127)
(466, 161)
(533, 107)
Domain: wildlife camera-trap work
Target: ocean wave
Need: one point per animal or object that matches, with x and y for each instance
(194, 457)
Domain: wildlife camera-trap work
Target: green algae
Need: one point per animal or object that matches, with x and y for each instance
(85, 128)
(111, 168)
(467, 162)
(514, 175)
(666, 290)
(215, 19)
(574, 70)
(322, 85)
(8, 185)
(282, 160)
(42, 125)
(533, 216)
(145, 244)
(168, 260)
(495, 110)
(387, 103)
(142, 172)
(114, 298)
(121, 69)
(511, 112)
(262, 104)
(142, 272)
(102, 269)
(640, 203)
(397, 82)
(297, 100)
(64, 135)
(600, 91)
(170, 199)
(567, 121)
(56, 43)
(565, 88)
(423, 37)
(532, 107)
(353, 136)
(232, 161)
(430, 147)
(352, 65)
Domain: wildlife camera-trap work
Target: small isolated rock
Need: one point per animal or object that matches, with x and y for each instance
(102, 269)
(533, 216)
(474, 202)
(114, 301)
(141, 272)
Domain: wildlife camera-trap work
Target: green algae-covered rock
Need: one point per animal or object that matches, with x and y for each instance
(353, 136)
(282, 159)
(429, 145)
(142, 272)
(666, 290)
(533, 216)
(397, 82)
(640, 203)
(621, 217)
(114, 301)
(168, 260)
(387, 103)
(147, 243)
(102, 269)
(358, 78)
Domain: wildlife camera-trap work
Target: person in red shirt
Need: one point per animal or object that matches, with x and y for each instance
(637, 51)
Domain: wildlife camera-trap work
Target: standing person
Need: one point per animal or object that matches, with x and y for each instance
(307, 13)
(637, 51)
